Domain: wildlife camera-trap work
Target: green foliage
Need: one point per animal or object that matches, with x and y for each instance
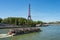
(0, 20)
(39, 22)
(20, 21)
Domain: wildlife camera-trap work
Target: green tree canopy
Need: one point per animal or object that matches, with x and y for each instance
(20, 21)
(0, 20)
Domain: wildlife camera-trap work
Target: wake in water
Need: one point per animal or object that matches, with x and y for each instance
(5, 35)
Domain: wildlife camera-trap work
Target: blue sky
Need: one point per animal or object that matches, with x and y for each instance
(44, 10)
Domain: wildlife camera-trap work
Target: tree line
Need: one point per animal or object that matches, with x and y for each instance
(20, 21)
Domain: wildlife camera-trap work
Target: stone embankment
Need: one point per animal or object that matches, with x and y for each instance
(19, 31)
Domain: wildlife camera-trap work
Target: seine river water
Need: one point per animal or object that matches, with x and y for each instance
(47, 33)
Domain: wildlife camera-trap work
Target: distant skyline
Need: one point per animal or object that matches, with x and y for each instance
(44, 10)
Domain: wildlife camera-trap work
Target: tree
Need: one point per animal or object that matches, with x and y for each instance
(20, 21)
(39, 22)
(0, 20)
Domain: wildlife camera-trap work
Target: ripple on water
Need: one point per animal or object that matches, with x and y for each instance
(4, 35)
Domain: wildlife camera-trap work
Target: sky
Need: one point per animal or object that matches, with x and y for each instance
(43, 10)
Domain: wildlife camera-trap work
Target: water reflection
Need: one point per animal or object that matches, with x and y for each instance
(29, 36)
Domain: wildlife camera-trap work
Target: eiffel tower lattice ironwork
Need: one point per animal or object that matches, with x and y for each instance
(29, 13)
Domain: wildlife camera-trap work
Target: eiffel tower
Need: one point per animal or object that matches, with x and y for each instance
(29, 13)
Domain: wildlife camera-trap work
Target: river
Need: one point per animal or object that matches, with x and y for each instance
(47, 33)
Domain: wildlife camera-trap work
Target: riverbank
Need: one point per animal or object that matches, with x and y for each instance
(19, 31)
